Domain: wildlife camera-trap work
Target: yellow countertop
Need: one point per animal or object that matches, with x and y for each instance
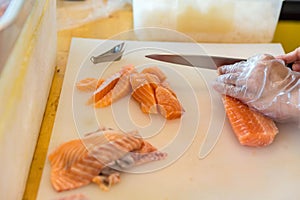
(103, 29)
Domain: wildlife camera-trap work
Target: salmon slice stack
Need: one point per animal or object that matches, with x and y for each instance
(154, 94)
(169, 105)
(144, 87)
(79, 162)
(250, 127)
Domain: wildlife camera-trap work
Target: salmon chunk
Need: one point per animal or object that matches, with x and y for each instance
(250, 127)
(168, 104)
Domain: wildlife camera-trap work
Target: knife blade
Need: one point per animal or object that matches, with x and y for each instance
(201, 61)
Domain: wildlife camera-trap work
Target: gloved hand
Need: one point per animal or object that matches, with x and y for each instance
(263, 83)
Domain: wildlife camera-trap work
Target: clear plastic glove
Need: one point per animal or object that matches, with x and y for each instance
(265, 84)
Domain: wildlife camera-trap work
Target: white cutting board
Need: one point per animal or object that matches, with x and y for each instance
(229, 171)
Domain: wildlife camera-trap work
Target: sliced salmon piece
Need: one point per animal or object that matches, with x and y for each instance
(105, 101)
(155, 71)
(121, 89)
(139, 79)
(105, 87)
(100, 81)
(109, 84)
(88, 84)
(152, 79)
(77, 162)
(136, 80)
(168, 104)
(250, 127)
(128, 69)
(166, 85)
(145, 96)
(143, 93)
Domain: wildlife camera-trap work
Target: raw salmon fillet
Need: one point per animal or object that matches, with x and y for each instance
(168, 104)
(250, 127)
(77, 162)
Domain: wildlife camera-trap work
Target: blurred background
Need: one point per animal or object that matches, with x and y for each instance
(258, 21)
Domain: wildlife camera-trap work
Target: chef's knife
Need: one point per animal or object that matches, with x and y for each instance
(202, 61)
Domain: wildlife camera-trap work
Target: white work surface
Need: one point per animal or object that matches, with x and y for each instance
(229, 171)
